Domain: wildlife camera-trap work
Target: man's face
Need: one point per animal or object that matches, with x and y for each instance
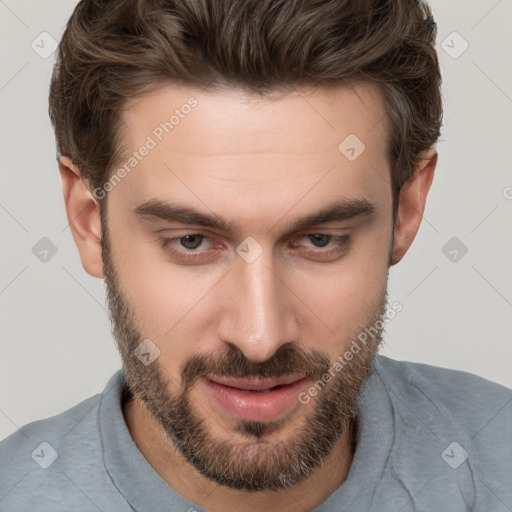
(259, 296)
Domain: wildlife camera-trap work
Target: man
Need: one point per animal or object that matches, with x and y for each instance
(243, 173)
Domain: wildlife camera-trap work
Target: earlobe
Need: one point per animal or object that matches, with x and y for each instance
(411, 205)
(83, 215)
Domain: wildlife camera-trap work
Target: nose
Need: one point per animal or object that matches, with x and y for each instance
(258, 316)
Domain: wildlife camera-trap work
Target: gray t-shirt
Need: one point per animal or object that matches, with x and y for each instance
(429, 439)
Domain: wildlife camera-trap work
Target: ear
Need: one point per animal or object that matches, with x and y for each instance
(83, 215)
(411, 205)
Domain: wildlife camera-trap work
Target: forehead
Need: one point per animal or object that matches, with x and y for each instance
(253, 150)
(231, 121)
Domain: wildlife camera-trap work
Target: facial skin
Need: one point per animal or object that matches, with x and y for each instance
(261, 165)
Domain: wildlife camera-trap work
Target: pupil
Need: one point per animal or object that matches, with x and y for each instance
(321, 238)
(186, 239)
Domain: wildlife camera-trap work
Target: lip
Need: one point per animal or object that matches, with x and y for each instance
(255, 400)
(256, 384)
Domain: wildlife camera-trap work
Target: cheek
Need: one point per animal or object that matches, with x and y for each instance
(345, 294)
(168, 300)
(343, 303)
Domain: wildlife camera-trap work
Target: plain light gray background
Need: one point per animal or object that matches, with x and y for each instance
(56, 346)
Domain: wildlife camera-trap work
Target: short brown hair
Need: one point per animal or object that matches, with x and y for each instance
(117, 49)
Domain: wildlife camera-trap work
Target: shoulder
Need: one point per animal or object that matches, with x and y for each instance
(449, 432)
(48, 464)
(452, 405)
(54, 429)
(457, 390)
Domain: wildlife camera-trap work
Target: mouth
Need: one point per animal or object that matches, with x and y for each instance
(261, 385)
(255, 399)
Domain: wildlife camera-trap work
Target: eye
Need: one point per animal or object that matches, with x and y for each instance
(182, 245)
(319, 239)
(191, 242)
(336, 245)
(197, 245)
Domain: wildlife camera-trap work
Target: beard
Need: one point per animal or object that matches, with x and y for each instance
(257, 463)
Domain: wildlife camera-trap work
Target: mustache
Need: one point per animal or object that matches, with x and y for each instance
(288, 359)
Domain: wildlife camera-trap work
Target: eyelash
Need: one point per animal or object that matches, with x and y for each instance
(340, 243)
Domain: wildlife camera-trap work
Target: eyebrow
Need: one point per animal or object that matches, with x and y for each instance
(340, 210)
